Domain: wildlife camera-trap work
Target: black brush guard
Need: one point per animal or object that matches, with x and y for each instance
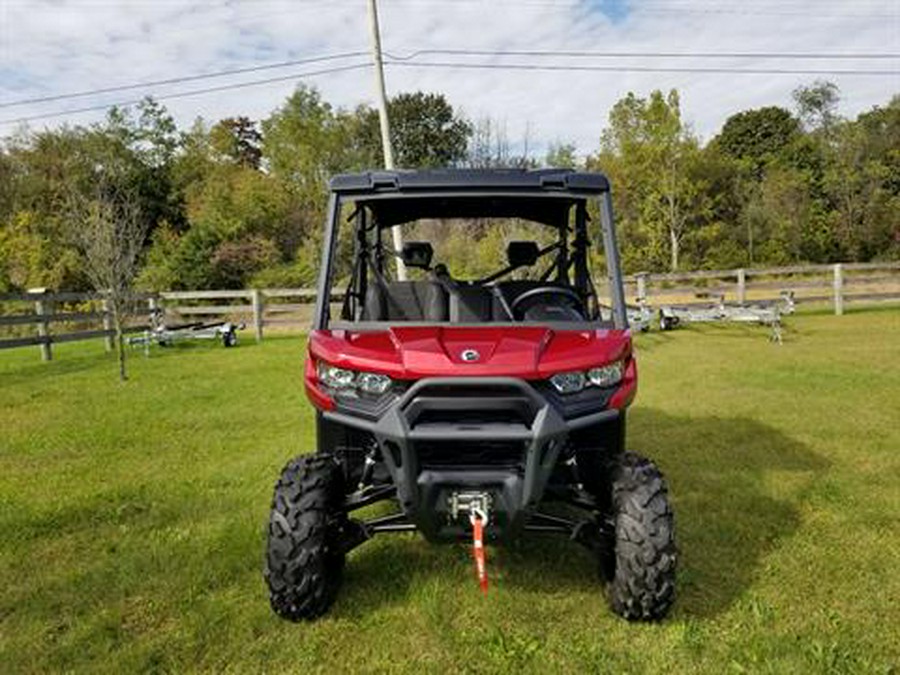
(496, 435)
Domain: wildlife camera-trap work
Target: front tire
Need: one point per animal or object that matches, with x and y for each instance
(642, 587)
(304, 559)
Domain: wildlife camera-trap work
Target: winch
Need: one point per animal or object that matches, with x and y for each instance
(477, 506)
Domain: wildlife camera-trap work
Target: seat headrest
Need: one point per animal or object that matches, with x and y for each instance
(417, 254)
(522, 253)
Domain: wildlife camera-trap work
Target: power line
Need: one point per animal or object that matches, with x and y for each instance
(178, 80)
(641, 69)
(474, 65)
(459, 52)
(674, 55)
(193, 92)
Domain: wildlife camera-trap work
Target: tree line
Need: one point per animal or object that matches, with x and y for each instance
(241, 202)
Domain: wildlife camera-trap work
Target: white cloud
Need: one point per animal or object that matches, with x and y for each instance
(50, 47)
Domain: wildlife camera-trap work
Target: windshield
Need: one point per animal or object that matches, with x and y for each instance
(464, 268)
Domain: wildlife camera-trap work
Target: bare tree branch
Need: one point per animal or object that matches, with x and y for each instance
(110, 231)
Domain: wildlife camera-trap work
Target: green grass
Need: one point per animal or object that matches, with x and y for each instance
(132, 520)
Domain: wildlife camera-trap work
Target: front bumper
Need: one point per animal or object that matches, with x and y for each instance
(443, 435)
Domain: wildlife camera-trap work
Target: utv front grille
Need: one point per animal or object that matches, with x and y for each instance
(505, 455)
(469, 418)
(470, 426)
(470, 404)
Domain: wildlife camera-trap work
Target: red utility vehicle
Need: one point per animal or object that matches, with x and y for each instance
(488, 407)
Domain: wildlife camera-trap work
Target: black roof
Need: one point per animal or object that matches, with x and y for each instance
(465, 180)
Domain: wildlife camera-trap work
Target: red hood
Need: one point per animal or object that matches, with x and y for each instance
(429, 351)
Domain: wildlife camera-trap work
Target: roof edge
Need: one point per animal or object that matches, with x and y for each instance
(407, 181)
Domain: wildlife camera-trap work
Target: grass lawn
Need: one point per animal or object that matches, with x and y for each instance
(132, 520)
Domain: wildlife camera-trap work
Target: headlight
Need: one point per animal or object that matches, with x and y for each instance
(601, 376)
(350, 381)
(568, 383)
(334, 377)
(606, 376)
(373, 383)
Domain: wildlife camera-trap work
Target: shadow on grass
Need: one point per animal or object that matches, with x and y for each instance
(653, 339)
(736, 484)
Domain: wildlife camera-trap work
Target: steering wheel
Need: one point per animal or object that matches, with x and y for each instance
(547, 290)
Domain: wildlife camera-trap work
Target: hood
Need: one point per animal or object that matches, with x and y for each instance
(433, 351)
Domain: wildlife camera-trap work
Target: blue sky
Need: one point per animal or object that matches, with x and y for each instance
(54, 47)
(616, 10)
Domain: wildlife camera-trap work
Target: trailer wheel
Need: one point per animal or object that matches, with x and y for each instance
(667, 322)
(643, 564)
(304, 559)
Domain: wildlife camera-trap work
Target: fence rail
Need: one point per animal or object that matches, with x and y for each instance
(280, 307)
(45, 314)
(845, 282)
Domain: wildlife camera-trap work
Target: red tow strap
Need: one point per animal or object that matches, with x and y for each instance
(479, 553)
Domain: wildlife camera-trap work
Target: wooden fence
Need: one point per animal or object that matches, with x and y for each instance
(836, 284)
(277, 307)
(84, 316)
(79, 315)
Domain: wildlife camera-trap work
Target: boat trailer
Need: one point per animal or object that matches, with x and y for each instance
(166, 336)
(763, 312)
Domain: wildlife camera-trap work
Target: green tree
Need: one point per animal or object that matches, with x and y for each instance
(30, 257)
(238, 140)
(561, 155)
(304, 143)
(817, 105)
(862, 183)
(426, 132)
(654, 157)
(757, 137)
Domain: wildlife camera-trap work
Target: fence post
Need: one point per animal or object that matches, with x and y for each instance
(838, 289)
(642, 286)
(154, 312)
(40, 311)
(258, 309)
(107, 326)
(741, 286)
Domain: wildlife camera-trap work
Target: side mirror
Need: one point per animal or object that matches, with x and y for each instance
(522, 253)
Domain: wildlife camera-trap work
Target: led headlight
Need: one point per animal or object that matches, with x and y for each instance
(606, 376)
(601, 376)
(352, 382)
(568, 383)
(373, 383)
(334, 377)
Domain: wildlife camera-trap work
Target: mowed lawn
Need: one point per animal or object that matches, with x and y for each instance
(132, 520)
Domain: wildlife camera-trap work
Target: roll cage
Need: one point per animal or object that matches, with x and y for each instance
(559, 199)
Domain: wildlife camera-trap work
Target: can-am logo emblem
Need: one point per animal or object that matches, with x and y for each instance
(470, 355)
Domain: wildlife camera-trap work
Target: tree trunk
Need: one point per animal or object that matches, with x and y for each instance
(750, 239)
(675, 244)
(120, 344)
(673, 212)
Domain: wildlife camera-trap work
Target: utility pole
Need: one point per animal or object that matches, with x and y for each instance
(385, 122)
